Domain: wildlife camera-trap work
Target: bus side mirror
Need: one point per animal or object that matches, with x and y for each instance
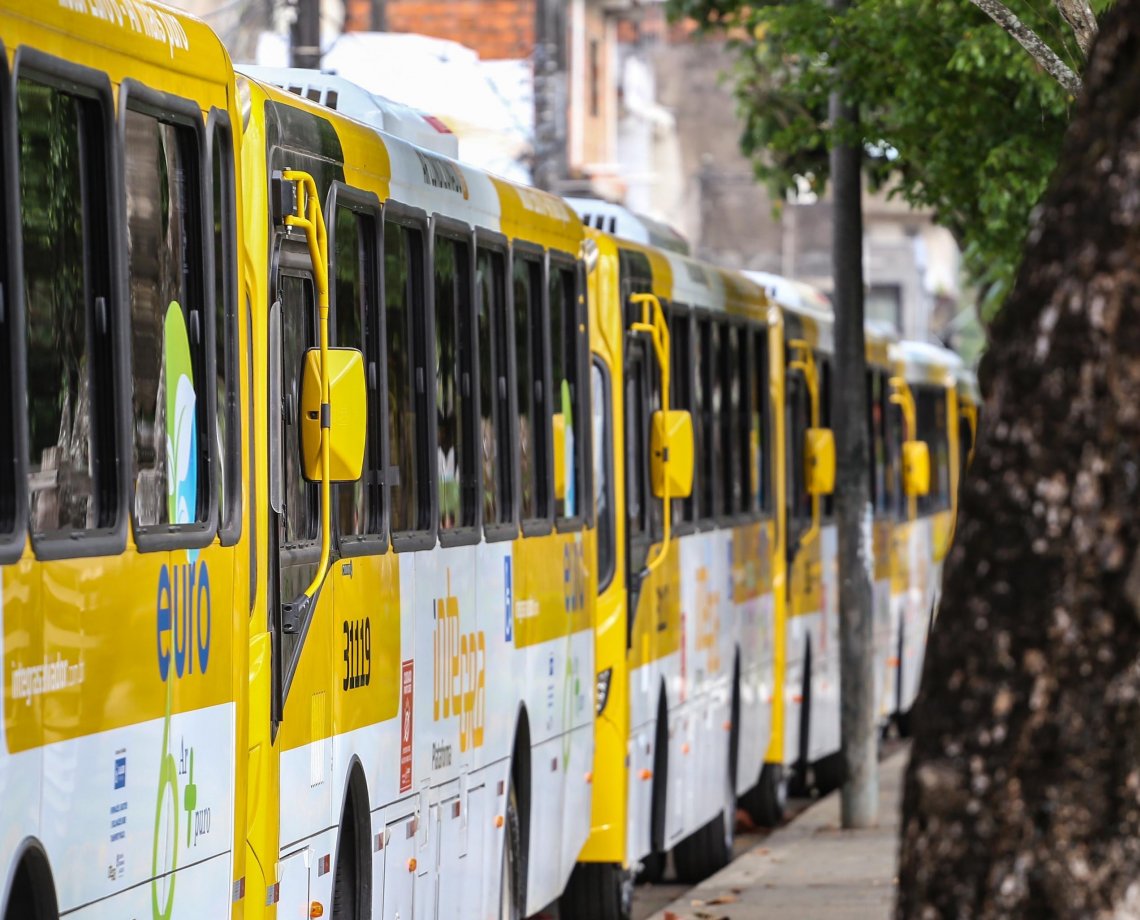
(348, 414)
(916, 468)
(559, 425)
(671, 437)
(819, 461)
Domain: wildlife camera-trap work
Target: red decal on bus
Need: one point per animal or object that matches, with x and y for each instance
(406, 727)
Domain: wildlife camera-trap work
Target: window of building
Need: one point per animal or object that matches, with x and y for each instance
(69, 311)
(884, 303)
(533, 429)
(408, 397)
(456, 459)
(497, 452)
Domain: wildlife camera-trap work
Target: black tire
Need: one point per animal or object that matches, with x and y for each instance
(709, 849)
(345, 900)
(652, 868)
(705, 851)
(800, 783)
(510, 879)
(767, 801)
(653, 865)
(597, 891)
(830, 773)
(902, 719)
(32, 895)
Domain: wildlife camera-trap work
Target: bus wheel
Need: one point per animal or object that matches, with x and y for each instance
(344, 900)
(767, 800)
(708, 849)
(597, 891)
(509, 907)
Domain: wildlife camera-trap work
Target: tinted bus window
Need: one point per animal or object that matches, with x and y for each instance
(170, 430)
(530, 365)
(603, 483)
(759, 425)
(8, 379)
(494, 387)
(298, 334)
(681, 395)
(703, 422)
(457, 475)
(565, 350)
(716, 430)
(930, 413)
(69, 317)
(409, 489)
(360, 504)
(225, 331)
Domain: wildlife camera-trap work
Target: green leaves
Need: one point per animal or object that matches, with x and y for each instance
(956, 116)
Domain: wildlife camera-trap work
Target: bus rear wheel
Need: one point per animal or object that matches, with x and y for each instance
(708, 849)
(509, 907)
(767, 801)
(597, 891)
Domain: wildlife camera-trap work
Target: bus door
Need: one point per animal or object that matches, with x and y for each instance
(317, 408)
(811, 478)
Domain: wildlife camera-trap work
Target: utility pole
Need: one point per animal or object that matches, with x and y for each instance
(305, 35)
(860, 796)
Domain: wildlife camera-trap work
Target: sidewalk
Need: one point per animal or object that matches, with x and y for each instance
(809, 869)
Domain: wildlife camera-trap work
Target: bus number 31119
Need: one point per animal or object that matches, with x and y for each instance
(357, 653)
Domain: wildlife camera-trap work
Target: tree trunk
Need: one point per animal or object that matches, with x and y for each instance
(1022, 798)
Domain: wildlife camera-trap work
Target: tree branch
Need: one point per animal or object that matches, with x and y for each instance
(1028, 39)
(1081, 19)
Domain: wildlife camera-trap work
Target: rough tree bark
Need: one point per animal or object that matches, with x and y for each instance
(1022, 797)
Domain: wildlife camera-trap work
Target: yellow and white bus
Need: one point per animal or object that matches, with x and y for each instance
(926, 396)
(233, 686)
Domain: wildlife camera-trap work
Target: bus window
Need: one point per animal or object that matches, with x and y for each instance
(8, 381)
(603, 481)
(456, 469)
(733, 422)
(409, 487)
(930, 414)
(170, 427)
(681, 395)
(758, 459)
(228, 435)
(827, 502)
(494, 387)
(530, 364)
(69, 307)
(356, 324)
(298, 333)
(717, 429)
(798, 420)
(565, 351)
(705, 422)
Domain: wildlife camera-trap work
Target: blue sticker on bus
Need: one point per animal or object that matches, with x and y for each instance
(508, 602)
(120, 772)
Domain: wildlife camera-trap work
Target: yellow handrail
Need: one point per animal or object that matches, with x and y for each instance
(653, 324)
(310, 219)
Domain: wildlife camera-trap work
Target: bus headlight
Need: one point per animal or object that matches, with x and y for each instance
(602, 689)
